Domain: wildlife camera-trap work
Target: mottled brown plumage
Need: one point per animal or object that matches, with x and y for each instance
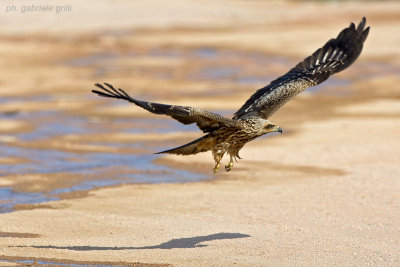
(226, 135)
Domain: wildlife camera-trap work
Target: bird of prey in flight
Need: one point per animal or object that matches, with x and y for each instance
(225, 135)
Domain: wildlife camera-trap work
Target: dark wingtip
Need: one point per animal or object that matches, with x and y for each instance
(365, 33)
(364, 20)
(361, 25)
(100, 85)
(109, 85)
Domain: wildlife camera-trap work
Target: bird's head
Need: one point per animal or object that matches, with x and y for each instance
(269, 127)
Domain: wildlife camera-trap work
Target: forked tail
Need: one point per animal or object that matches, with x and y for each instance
(202, 144)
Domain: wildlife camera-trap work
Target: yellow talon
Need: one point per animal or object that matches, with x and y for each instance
(216, 168)
(229, 166)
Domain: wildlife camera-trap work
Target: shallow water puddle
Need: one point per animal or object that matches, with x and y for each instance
(47, 159)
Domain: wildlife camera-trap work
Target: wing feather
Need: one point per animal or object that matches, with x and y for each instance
(206, 121)
(336, 55)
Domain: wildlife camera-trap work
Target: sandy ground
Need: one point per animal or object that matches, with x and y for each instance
(326, 192)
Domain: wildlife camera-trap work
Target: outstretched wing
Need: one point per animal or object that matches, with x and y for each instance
(206, 121)
(336, 55)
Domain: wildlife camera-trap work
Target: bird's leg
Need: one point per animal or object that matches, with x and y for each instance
(216, 167)
(230, 164)
(218, 154)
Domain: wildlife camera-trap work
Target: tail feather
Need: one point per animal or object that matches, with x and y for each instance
(202, 144)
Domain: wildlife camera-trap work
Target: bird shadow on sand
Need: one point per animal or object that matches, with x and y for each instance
(189, 242)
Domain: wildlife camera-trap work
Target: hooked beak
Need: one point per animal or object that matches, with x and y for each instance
(279, 130)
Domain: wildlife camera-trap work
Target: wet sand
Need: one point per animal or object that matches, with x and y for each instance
(323, 193)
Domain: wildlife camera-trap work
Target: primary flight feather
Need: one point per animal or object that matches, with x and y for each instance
(226, 135)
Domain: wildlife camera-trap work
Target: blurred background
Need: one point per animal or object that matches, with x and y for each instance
(58, 140)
